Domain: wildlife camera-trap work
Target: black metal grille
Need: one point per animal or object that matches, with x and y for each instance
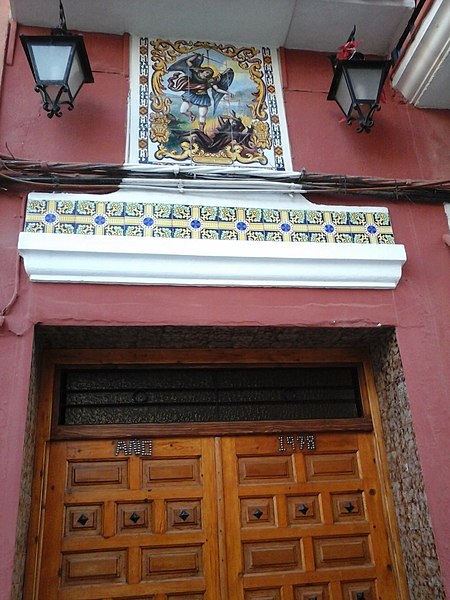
(204, 394)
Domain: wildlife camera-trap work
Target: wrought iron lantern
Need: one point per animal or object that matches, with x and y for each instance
(357, 84)
(60, 66)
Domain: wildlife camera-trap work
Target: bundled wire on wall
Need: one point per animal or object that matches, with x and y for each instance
(104, 178)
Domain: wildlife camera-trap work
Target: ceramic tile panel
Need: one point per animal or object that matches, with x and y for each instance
(99, 217)
(198, 102)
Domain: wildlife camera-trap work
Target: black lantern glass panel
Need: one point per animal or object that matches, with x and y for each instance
(356, 87)
(60, 66)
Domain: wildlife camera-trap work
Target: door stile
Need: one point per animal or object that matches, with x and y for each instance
(232, 517)
(221, 485)
(53, 518)
(39, 486)
(369, 390)
(379, 534)
(213, 522)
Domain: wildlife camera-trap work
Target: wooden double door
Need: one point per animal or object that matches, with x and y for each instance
(256, 517)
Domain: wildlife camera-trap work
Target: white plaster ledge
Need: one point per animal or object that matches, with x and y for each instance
(149, 261)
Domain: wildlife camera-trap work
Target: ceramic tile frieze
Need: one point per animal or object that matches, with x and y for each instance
(188, 221)
(199, 102)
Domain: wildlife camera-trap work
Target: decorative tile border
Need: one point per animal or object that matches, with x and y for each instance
(197, 222)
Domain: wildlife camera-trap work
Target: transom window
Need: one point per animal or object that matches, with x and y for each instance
(207, 394)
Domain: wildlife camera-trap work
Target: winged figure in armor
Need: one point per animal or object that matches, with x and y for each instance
(197, 81)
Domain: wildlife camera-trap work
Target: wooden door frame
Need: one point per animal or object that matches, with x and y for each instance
(48, 430)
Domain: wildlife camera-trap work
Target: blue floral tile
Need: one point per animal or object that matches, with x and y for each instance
(135, 209)
(65, 228)
(162, 210)
(86, 207)
(286, 227)
(37, 206)
(241, 226)
(114, 209)
(100, 220)
(134, 231)
(85, 229)
(329, 228)
(229, 235)
(162, 232)
(209, 213)
(181, 233)
(253, 215)
(357, 218)
(195, 224)
(227, 214)
(180, 211)
(296, 216)
(314, 216)
(371, 229)
(148, 222)
(65, 207)
(209, 234)
(50, 218)
(271, 215)
(339, 218)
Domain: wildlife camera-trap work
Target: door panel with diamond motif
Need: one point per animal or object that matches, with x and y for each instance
(309, 524)
(232, 518)
(130, 526)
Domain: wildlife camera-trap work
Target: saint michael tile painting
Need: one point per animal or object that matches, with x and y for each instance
(206, 103)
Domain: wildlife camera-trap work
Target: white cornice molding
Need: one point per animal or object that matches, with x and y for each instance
(140, 261)
(425, 55)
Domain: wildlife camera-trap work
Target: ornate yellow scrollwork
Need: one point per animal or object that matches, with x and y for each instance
(260, 135)
(159, 130)
(163, 55)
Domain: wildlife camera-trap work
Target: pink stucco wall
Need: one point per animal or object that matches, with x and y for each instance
(405, 143)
